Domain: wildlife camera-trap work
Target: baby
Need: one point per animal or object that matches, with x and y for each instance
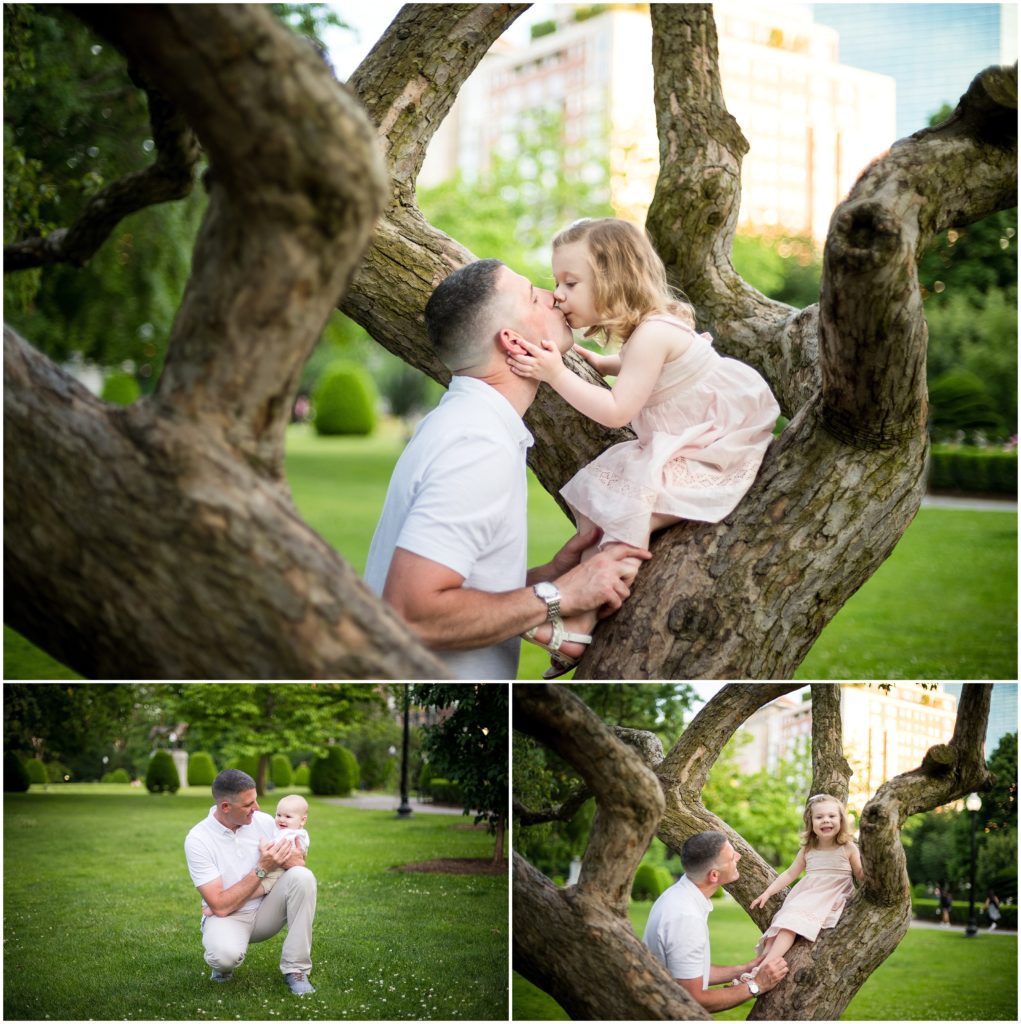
(292, 813)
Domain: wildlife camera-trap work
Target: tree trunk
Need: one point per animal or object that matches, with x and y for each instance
(554, 927)
(161, 540)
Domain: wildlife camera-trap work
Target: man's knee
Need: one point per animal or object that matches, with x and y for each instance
(300, 879)
(223, 955)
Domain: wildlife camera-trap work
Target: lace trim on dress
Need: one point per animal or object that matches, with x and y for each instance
(680, 473)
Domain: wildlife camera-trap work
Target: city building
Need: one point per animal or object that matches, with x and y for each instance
(933, 51)
(885, 731)
(812, 123)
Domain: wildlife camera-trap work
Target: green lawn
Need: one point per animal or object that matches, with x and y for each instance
(101, 919)
(943, 606)
(932, 975)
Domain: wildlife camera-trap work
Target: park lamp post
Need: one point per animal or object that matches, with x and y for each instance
(973, 803)
(404, 811)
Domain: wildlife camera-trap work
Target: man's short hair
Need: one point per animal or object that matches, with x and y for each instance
(457, 315)
(699, 853)
(230, 783)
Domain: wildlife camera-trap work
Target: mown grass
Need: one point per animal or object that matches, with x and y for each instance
(101, 919)
(943, 606)
(931, 975)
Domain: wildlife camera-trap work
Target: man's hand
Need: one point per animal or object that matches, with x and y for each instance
(598, 582)
(295, 858)
(275, 854)
(770, 975)
(570, 554)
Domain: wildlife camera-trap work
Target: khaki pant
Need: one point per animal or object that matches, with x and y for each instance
(292, 902)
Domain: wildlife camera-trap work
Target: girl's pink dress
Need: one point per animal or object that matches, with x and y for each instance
(702, 435)
(817, 901)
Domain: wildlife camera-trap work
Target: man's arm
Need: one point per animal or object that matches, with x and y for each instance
(433, 601)
(223, 902)
(716, 999)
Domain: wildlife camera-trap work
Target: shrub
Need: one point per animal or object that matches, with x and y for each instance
(161, 776)
(331, 775)
(58, 772)
(201, 769)
(280, 771)
(344, 401)
(118, 775)
(651, 880)
(960, 402)
(16, 778)
(353, 772)
(300, 777)
(443, 791)
(120, 389)
(963, 468)
(424, 778)
(247, 763)
(928, 910)
(36, 771)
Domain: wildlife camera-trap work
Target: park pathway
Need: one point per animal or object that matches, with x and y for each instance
(960, 928)
(377, 802)
(971, 504)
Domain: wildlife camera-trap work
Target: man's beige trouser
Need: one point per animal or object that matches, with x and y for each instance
(292, 902)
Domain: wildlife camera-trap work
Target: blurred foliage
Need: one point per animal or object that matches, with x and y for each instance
(783, 267)
(73, 123)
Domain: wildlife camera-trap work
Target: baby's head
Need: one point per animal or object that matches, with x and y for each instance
(825, 818)
(629, 279)
(292, 812)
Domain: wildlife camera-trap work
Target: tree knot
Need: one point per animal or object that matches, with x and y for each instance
(939, 760)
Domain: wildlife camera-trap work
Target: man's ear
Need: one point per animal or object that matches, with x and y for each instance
(509, 342)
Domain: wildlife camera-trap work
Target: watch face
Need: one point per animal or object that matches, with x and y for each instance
(546, 590)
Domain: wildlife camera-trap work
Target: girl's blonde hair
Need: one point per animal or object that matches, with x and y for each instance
(809, 838)
(629, 277)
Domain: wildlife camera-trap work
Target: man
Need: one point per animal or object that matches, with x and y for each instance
(677, 933)
(449, 553)
(229, 853)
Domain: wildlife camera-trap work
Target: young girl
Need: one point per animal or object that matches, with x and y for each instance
(830, 857)
(703, 421)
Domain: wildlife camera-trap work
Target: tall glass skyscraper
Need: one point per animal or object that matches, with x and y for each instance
(1002, 711)
(932, 50)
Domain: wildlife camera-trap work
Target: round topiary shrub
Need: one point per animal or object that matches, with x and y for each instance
(120, 389)
(353, 771)
(36, 771)
(650, 882)
(247, 763)
(161, 776)
(344, 401)
(16, 778)
(331, 775)
(280, 770)
(201, 769)
(119, 776)
(300, 777)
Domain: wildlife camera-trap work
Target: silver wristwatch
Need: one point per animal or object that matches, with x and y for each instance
(548, 592)
(753, 986)
(260, 873)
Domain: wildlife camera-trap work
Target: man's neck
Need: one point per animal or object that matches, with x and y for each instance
(519, 391)
(225, 824)
(707, 889)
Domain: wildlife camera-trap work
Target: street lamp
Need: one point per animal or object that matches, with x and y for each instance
(404, 811)
(973, 803)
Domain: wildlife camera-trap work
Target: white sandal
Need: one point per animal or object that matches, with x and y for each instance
(561, 663)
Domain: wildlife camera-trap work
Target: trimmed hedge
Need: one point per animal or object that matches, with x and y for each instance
(120, 389)
(344, 401)
(928, 910)
(651, 881)
(16, 778)
(443, 791)
(36, 771)
(161, 775)
(118, 775)
(201, 769)
(336, 774)
(975, 470)
(280, 770)
(300, 777)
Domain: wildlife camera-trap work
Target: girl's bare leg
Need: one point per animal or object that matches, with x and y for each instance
(778, 945)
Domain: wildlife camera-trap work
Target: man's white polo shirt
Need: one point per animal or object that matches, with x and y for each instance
(214, 851)
(677, 932)
(459, 496)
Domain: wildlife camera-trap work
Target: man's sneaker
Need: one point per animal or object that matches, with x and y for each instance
(298, 983)
(221, 975)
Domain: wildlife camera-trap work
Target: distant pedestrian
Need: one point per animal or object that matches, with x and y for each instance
(946, 901)
(992, 908)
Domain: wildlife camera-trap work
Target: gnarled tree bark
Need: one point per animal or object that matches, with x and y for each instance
(188, 483)
(552, 925)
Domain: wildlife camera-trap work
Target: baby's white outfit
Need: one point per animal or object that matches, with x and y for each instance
(286, 833)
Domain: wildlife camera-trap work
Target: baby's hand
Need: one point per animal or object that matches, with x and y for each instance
(542, 362)
(206, 912)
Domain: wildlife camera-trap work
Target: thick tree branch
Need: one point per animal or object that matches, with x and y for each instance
(830, 771)
(563, 811)
(295, 185)
(169, 177)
